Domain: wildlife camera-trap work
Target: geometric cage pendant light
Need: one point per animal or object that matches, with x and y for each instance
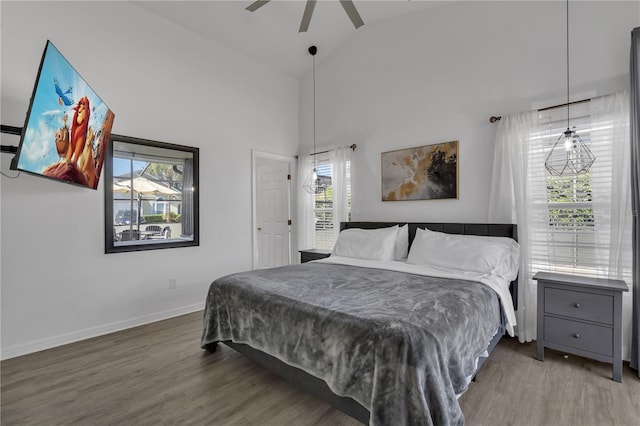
(314, 184)
(570, 155)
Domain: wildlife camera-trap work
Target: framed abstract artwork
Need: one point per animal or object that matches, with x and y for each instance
(423, 173)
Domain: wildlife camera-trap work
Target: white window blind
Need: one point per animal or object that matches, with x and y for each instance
(571, 225)
(323, 207)
(324, 204)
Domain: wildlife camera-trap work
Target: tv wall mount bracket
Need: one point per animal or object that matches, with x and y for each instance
(11, 130)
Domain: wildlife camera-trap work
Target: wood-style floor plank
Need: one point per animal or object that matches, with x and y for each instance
(157, 374)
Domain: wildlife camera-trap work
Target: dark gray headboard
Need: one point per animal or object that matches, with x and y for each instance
(482, 229)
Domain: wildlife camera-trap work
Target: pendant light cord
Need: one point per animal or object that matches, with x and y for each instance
(314, 111)
(576, 158)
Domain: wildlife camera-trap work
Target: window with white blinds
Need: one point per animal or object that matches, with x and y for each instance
(570, 225)
(323, 204)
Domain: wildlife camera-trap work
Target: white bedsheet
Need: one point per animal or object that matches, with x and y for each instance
(497, 283)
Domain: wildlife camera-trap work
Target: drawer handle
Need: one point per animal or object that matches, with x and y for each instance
(577, 305)
(576, 335)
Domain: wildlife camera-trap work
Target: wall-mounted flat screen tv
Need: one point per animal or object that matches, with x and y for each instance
(67, 128)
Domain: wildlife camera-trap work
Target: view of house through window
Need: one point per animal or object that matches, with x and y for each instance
(149, 187)
(324, 206)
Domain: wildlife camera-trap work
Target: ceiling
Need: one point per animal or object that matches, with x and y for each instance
(270, 34)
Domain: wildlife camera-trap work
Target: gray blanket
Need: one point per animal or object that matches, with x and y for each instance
(401, 345)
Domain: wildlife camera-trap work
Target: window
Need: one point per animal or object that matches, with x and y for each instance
(571, 231)
(151, 195)
(324, 204)
(334, 170)
(323, 208)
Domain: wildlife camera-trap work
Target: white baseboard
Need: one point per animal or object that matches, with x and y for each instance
(75, 336)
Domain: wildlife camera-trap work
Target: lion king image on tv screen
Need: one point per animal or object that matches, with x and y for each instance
(68, 126)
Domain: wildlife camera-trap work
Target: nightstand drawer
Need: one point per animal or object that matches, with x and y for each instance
(578, 335)
(579, 305)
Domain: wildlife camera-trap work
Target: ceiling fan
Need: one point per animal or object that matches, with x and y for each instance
(348, 6)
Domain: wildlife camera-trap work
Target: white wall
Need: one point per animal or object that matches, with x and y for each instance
(439, 75)
(163, 83)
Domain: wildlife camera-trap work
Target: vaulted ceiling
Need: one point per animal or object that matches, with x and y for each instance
(270, 34)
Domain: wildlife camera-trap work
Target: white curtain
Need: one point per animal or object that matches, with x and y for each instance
(518, 195)
(634, 101)
(341, 161)
(306, 217)
(610, 177)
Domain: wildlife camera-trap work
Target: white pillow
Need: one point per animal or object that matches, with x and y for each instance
(370, 244)
(402, 243)
(488, 255)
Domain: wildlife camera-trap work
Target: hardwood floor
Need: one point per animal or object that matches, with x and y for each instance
(157, 374)
(513, 388)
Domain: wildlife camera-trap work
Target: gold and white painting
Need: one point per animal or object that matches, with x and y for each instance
(422, 173)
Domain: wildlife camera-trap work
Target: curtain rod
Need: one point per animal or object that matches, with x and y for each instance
(353, 148)
(494, 118)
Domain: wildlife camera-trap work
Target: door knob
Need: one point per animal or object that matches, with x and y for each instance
(259, 228)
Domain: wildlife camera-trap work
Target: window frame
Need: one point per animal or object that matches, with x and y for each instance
(571, 245)
(140, 245)
(324, 160)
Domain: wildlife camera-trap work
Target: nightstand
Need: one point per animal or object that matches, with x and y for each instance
(313, 254)
(582, 316)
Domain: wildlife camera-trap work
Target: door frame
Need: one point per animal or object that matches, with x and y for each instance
(255, 155)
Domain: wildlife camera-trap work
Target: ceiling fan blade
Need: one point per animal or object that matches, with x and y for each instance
(256, 5)
(306, 16)
(352, 12)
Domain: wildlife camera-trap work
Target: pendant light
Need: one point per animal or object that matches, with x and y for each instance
(314, 184)
(570, 155)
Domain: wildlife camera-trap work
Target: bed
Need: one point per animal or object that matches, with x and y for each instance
(385, 336)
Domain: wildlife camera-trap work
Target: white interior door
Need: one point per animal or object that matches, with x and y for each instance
(272, 208)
